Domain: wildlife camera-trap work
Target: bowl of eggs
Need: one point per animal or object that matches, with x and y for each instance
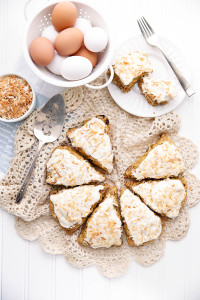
(67, 44)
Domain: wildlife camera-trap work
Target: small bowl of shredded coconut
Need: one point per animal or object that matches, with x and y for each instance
(17, 98)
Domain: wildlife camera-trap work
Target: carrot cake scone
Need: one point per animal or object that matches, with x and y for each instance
(93, 141)
(162, 160)
(165, 197)
(103, 228)
(67, 167)
(70, 207)
(157, 91)
(128, 69)
(140, 223)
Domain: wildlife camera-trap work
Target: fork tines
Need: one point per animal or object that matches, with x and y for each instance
(145, 28)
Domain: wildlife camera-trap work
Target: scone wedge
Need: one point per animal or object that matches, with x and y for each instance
(162, 160)
(156, 91)
(104, 227)
(71, 207)
(129, 69)
(67, 167)
(166, 197)
(141, 225)
(92, 140)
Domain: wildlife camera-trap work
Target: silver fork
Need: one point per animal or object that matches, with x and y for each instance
(153, 40)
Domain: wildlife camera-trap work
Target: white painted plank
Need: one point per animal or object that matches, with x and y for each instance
(98, 283)
(148, 281)
(174, 270)
(124, 285)
(68, 280)
(14, 32)
(13, 265)
(41, 273)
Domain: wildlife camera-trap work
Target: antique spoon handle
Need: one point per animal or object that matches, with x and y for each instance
(28, 175)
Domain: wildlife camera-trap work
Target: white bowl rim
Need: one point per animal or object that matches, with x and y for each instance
(76, 83)
(29, 111)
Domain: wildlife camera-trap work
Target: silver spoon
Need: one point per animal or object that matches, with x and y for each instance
(47, 128)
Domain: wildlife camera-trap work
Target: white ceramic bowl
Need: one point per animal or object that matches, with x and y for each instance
(35, 26)
(31, 108)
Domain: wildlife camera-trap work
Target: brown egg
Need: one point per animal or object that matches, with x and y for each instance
(68, 41)
(84, 52)
(41, 51)
(64, 15)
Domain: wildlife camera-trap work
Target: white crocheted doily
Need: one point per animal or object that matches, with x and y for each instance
(130, 136)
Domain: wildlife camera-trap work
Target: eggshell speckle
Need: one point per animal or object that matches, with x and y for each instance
(95, 39)
(84, 52)
(41, 51)
(69, 41)
(75, 68)
(82, 24)
(56, 63)
(50, 33)
(64, 15)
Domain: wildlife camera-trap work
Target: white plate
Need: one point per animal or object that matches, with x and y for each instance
(134, 102)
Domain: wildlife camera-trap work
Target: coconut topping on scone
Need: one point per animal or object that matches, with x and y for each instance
(142, 223)
(65, 168)
(95, 142)
(165, 196)
(131, 66)
(71, 205)
(161, 90)
(164, 160)
(104, 228)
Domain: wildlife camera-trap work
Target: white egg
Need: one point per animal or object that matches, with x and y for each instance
(55, 64)
(96, 39)
(82, 24)
(75, 68)
(50, 33)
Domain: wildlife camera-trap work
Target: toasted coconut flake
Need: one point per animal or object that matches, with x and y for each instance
(16, 97)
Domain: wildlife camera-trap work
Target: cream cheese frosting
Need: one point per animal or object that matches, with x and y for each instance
(131, 66)
(165, 197)
(104, 228)
(91, 137)
(71, 205)
(142, 223)
(161, 90)
(164, 160)
(67, 169)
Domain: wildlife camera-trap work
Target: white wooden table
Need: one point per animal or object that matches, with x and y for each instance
(29, 273)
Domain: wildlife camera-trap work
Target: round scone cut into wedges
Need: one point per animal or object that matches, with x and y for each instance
(93, 141)
(156, 91)
(103, 228)
(162, 160)
(140, 223)
(67, 167)
(70, 207)
(166, 197)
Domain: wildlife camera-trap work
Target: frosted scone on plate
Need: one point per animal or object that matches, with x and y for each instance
(67, 167)
(128, 69)
(156, 91)
(165, 197)
(162, 160)
(93, 141)
(103, 228)
(140, 223)
(70, 207)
